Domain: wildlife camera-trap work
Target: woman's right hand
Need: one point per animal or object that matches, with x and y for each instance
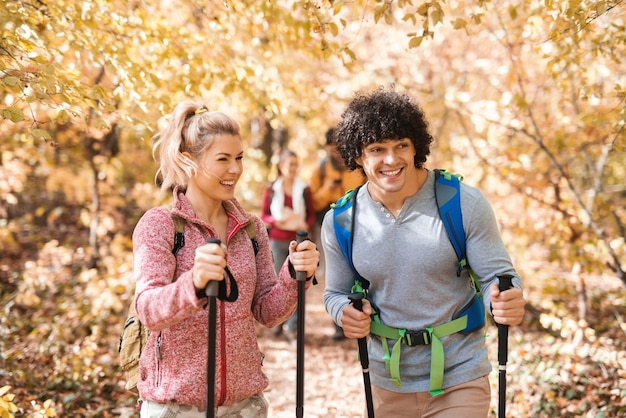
(209, 264)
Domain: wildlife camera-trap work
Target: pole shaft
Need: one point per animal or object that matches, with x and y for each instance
(210, 391)
(505, 283)
(211, 291)
(301, 279)
(357, 301)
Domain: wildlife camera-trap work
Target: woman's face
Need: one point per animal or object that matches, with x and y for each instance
(220, 168)
(289, 167)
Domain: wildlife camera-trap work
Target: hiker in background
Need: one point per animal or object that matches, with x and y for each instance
(329, 181)
(200, 155)
(400, 246)
(287, 207)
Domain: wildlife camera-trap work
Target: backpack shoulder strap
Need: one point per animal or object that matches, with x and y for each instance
(179, 234)
(343, 219)
(448, 197)
(251, 231)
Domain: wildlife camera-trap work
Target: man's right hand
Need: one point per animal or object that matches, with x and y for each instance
(355, 323)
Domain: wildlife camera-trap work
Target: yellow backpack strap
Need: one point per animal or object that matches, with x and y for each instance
(251, 231)
(179, 224)
(251, 228)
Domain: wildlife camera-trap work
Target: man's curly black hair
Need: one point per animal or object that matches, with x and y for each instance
(378, 116)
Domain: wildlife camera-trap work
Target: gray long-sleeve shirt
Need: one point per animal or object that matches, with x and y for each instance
(411, 266)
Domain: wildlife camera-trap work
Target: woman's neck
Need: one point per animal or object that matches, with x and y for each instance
(207, 210)
(287, 185)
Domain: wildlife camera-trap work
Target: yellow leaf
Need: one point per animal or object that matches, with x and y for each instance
(48, 410)
(10, 81)
(459, 23)
(12, 113)
(337, 5)
(40, 134)
(333, 28)
(409, 16)
(62, 117)
(415, 41)
(388, 19)
(379, 10)
(436, 16)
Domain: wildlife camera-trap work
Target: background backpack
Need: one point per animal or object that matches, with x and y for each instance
(134, 336)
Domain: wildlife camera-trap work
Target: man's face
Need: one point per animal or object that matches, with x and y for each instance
(388, 165)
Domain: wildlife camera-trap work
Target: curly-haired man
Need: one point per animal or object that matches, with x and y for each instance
(400, 246)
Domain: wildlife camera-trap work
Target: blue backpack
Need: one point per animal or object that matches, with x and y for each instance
(472, 317)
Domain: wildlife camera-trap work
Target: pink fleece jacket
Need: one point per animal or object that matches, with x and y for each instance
(173, 364)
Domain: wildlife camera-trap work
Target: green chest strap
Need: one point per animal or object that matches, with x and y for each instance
(472, 318)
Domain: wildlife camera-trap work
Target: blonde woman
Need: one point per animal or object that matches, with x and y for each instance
(200, 155)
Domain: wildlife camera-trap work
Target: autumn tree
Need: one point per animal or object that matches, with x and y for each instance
(528, 99)
(525, 98)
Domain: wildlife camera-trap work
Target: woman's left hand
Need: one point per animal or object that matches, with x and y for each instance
(304, 256)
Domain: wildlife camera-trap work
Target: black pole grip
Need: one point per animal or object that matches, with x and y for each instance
(356, 299)
(505, 282)
(212, 287)
(300, 237)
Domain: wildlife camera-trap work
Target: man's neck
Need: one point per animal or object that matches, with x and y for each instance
(394, 201)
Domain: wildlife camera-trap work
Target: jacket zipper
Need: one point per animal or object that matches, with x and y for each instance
(158, 357)
(222, 394)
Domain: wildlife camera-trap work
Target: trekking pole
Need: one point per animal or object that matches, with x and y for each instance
(503, 348)
(301, 279)
(211, 291)
(356, 299)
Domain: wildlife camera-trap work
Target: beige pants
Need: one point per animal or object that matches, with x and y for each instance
(468, 400)
(253, 407)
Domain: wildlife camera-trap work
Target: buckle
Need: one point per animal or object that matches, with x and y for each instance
(414, 338)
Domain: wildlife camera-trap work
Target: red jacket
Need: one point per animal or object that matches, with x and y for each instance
(173, 364)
